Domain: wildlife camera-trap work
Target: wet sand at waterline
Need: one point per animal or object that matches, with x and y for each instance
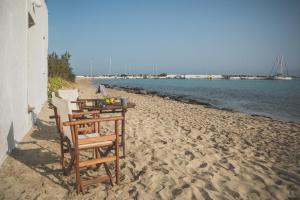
(174, 150)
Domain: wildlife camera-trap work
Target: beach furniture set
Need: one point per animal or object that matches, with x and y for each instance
(81, 128)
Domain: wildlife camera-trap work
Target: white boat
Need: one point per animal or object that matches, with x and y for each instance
(280, 70)
(235, 78)
(282, 77)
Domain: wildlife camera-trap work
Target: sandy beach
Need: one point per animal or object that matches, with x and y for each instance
(174, 151)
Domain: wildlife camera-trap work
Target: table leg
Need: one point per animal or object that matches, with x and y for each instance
(123, 131)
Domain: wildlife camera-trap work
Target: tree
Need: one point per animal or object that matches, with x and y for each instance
(60, 66)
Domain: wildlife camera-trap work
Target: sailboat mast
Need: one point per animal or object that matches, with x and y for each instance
(287, 71)
(91, 68)
(109, 70)
(280, 70)
(281, 66)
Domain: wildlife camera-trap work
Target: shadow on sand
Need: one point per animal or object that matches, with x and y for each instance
(45, 131)
(38, 155)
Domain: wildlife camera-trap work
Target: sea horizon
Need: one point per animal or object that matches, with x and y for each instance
(183, 76)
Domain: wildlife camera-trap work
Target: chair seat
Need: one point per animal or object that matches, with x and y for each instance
(93, 144)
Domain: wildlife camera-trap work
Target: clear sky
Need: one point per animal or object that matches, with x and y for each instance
(176, 36)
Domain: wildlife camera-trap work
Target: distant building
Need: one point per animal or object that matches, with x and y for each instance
(200, 76)
(171, 75)
(235, 78)
(217, 77)
(23, 68)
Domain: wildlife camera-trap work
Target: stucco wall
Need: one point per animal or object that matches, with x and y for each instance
(23, 69)
(37, 56)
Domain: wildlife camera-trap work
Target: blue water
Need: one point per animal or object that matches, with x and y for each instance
(273, 98)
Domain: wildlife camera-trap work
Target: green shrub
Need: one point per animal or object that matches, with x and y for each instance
(59, 65)
(56, 83)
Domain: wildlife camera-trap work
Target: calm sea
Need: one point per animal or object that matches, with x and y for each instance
(273, 98)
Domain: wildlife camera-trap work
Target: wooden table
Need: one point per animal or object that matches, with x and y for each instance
(113, 108)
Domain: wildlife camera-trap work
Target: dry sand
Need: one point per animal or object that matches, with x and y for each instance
(174, 150)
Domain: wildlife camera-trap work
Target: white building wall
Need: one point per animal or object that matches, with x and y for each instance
(22, 68)
(37, 56)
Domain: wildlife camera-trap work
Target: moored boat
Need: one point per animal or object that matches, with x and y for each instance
(280, 70)
(282, 77)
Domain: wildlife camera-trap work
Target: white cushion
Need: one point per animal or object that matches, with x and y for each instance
(63, 110)
(69, 95)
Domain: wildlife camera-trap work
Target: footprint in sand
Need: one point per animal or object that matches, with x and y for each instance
(132, 163)
(212, 128)
(185, 130)
(204, 194)
(199, 137)
(165, 171)
(189, 154)
(178, 191)
(203, 165)
(223, 160)
(123, 165)
(279, 182)
(163, 141)
(136, 175)
(132, 190)
(253, 194)
(205, 175)
(232, 193)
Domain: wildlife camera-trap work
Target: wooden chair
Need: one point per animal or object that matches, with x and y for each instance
(84, 135)
(84, 138)
(76, 103)
(61, 114)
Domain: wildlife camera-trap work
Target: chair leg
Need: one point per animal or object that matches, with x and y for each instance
(123, 143)
(117, 146)
(67, 169)
(70, 165)
(62, 152)
(106, 167)
(95, 153)
(97, 156)
(117, 163)
(123, 133)
(117, 172)
(109, 174)
(78, 182)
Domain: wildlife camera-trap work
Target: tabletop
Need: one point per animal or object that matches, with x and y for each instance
(114, 106)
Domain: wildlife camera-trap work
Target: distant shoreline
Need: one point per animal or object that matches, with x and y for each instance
(182, 77)
(184, 99)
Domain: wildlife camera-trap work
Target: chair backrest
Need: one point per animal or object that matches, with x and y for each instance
(70, 95)
(63, 111)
